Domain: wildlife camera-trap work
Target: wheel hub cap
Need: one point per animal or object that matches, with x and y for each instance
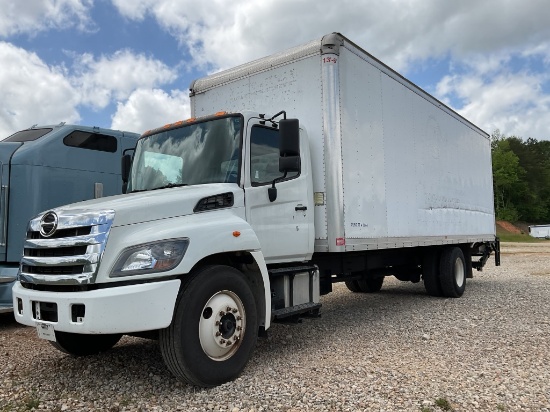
(222, 325)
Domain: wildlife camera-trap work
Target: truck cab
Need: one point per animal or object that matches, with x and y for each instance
(46, 166)
(209, 203)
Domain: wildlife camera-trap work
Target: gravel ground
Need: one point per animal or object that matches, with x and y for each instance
(399, 350)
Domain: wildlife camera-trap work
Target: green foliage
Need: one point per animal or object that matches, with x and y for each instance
(521, 178)
(443, 404)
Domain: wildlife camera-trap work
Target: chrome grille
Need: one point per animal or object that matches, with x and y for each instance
(71, 252)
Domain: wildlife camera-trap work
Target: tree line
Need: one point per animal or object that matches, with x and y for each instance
(521, 178)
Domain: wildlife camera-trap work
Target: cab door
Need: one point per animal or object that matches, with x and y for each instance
(285, 226)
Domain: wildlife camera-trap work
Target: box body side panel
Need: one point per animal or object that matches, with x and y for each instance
(411, 170)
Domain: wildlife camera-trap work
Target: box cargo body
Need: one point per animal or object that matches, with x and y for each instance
(392, 166)
(540, 231)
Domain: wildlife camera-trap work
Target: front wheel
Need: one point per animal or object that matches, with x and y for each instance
(83, 345)
(214, 328)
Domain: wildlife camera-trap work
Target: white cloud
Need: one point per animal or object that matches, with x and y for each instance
(399, 33)
(35, 93)
(147, 109)
(33, 16)
(116, 77)
(494, 48)
(513, 103)
(32, 92)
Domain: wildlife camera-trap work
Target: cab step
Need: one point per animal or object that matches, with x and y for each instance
(294, 293)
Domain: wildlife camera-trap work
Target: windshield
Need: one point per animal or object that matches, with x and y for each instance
(205, 152)
(27, 135)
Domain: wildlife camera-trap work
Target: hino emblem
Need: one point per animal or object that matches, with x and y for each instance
(48, 224)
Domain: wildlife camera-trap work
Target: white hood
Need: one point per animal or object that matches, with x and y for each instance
(152, 205)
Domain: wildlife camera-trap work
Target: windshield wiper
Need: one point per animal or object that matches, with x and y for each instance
(160, 187)
(169, 185)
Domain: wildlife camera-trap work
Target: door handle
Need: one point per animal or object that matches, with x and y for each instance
(300, 207)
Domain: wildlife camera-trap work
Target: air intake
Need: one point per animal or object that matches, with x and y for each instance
(220, 201)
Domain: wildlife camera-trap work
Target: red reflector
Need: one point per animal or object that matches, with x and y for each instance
(236, 233)
(340, 241)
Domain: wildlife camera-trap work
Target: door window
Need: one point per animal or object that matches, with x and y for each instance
(264, 156)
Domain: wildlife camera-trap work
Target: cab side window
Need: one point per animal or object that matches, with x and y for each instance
(91, 141)
(264, 156)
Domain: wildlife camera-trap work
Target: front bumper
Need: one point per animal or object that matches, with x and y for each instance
(122, 309)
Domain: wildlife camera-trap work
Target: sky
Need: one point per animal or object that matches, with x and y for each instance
(128, 64)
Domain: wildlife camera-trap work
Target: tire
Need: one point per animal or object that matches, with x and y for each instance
(208, 344)
(403, 277)
(76, 344)
(353, 286)
(453, 272)
(430, 273)
(371, 285)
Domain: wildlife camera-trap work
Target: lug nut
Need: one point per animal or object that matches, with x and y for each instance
(239, 318)
(239, 328)
(234, 310)
(218, 333)
(235, 338)
(217, 323)
(228, 309)
(229, 343)
(222, 313)
(222, 341)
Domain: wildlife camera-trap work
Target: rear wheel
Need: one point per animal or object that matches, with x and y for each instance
(453, 272)
(83, 345)
(371, 285)
(214, 328)
(353, 286)
(430, 273)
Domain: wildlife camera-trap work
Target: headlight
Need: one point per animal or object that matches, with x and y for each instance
(151, 257)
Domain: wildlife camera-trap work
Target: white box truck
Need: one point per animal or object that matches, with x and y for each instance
(243, 217)
(540, 231)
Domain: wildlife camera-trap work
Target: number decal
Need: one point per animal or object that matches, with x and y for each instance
(330, 60)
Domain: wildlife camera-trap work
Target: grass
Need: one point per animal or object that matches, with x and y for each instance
(443, 404)
(28, 403)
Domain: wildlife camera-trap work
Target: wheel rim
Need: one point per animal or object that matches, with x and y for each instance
(222, 325)
(460, 274)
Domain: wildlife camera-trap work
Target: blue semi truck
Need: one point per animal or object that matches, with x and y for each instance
(47, 166)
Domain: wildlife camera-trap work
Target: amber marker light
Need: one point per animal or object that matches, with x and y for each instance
(236, 233)
(220, 113)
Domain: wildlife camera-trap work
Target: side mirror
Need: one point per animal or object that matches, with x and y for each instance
(289, 152)
(289, 145)
(125, 170)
